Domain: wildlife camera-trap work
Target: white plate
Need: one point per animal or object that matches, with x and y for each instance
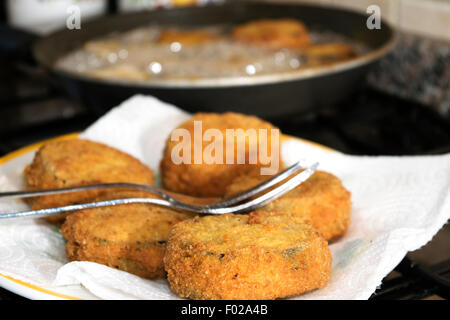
(24, 288)
(31, 291)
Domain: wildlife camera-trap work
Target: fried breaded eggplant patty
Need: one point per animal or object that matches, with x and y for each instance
(187, 37)
(255, 256)
(329, 52)
(129, 237)
(77, 162)
(121, 72)
(210, 179)
(322, 199)
(273, 33)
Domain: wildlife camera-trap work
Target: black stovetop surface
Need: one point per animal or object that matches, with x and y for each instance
(367, 123)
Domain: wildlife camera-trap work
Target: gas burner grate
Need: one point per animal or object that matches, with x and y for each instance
(416, 282)
(374, 123)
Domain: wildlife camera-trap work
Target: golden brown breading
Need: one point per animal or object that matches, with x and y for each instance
(329, 52)
(129, 237)
(190, 37)
(77, 162)
(246, 257)
(273, 33)
(120, 72)
(210, 180)
(322, 199)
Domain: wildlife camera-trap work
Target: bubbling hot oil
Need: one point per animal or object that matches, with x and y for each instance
(138, 56)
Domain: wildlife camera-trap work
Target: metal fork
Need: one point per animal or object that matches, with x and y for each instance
(232, 205)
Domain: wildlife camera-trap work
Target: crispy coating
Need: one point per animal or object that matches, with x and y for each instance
(273, 33)
(129, 237)
(191, 37)
(121, 72)
(77, 162)
(210, 180)
(329, 52)
(322, 199)
(256, 256)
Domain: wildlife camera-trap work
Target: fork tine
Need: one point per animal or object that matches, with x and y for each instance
(271, 195)
(260, 187)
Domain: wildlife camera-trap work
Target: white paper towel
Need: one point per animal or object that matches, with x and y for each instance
(399, 203)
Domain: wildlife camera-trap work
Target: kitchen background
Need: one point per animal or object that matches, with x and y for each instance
(402, 109)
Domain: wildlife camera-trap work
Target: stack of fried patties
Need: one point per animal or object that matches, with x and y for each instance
(278, 251)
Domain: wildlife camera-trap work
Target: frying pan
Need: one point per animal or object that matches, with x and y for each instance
(270, 96)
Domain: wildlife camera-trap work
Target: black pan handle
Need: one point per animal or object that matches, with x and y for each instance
(16, 42)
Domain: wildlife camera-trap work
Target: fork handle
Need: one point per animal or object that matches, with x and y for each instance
(117, 185)
(59, 210)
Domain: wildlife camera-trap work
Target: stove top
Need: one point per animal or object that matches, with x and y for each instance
(374, 123)
(368, 123)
